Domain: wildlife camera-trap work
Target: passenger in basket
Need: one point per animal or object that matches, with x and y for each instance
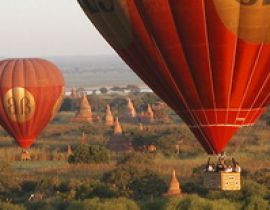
(221, 166)
(207, 165)
(229, 169)
(236, 166)
(210, 168)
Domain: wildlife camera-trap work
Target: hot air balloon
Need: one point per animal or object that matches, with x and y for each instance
(31, 92)
(209, 60)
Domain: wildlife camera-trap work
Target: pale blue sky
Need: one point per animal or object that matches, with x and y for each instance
(38, 28)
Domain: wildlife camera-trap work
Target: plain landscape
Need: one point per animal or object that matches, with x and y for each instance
(81, 165)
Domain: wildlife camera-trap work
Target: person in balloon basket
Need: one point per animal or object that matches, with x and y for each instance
(236, 166)
(222, 165)
(229, 169)
(209, 167)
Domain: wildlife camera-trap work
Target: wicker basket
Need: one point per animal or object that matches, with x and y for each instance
(222, 181)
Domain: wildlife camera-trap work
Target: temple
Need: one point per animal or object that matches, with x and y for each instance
(109, 119)
(85, 112)
(117, 127)
(174, 188)
(131, 110)
(73, 93)
(69, 150)
(148, 116)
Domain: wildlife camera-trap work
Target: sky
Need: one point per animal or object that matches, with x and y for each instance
(44, 28)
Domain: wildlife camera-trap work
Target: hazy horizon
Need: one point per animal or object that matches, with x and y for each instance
(48, 28)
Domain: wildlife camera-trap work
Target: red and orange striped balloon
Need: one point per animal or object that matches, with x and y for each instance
(208, 59)
(31, 92)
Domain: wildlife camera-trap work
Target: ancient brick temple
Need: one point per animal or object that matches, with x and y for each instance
(141, 127)
(73, 93)
(85, 112)
(131, 110)
(109, 119)
(174, 187)
(117, 127)
(69, 150)
(149, 113)
(147, 116)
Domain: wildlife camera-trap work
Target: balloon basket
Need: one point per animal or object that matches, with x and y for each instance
(25, 156)
(222, 181)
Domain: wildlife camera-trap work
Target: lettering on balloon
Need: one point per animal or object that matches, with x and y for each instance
(97, 6)
(252, 2)
(19, 104)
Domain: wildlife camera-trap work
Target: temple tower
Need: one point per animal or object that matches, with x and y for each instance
(131, 110)
(149, 113)
(174, 187)
(109, 119)
(85, 112)
(117, 127)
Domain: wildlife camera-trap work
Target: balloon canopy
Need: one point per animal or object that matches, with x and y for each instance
(209, 60)
(31, 92)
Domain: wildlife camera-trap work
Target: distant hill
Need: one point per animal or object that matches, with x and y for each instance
(95, 71)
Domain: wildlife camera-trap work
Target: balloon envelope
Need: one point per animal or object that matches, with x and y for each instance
(31, 92)
(209, 60)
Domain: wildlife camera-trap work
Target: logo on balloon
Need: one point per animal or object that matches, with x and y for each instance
(247, 19)
(19, 104)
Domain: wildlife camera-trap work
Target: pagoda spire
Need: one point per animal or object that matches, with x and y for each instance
(150, 113)
(131, 110)
(85, 112)
(109, 119)
(174, 187)
(117, 127)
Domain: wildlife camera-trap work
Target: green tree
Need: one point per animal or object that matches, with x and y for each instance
(133, 180)
(133, 88)
(104, 204)
(256, 203)
(89, 154)
(147, 98)
(119, 104)
(118, 89)
(140, 140)
(8, 179)
(98, 154)
(120, 178)
(167, 144)
(10, 206)
(103, 90)
(94, 189)
(194, 202)
(67, 105)
(251, 188)
(80, 155)
(134, 158)
(148, 186)
(97, 103)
